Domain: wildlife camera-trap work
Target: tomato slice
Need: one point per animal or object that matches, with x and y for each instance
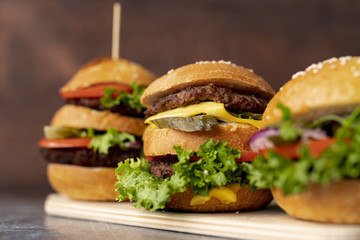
(246, 157)
(96, 91)
(64, 143)
(316, 148)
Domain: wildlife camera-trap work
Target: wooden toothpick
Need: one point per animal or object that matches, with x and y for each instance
(115, 50)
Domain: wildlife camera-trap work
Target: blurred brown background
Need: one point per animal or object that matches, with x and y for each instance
(44, 42)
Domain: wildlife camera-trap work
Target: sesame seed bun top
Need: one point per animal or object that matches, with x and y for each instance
(107, 70)
(220, 73)
(329, 87)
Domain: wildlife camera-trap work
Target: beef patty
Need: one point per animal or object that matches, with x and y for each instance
(163, 168)
(87, 157)
(94, 103)
(192, 95)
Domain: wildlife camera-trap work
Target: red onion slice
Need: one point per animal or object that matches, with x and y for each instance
(134, 145)
(313, 134)
(260, 140)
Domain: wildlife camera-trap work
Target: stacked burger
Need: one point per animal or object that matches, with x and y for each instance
(311, 143)
(200, 118)
(100, 125)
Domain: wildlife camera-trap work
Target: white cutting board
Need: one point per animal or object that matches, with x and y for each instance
(268, 223)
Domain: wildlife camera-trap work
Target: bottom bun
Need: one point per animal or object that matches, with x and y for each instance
(245, 201)
(336, 202)
(83, 183)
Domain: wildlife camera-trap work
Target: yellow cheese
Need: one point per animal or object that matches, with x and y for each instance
(210, 108)
(198, 199)
(225, 194)
(234, 186)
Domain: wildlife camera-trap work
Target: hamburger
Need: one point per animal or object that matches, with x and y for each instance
(200, 118)
(100, 124)
(310, 143)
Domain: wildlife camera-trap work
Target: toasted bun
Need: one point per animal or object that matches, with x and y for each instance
(83, 117)
(107, 70)
(83, 183)
(335, 202)
(329, 87)
(245, 201)
(162, 141)
(220, 73)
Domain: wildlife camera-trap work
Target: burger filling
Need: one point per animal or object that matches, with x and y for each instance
(297, 153)
(214, 170)
(202, 108)
(88, 157)
(96, 104)
(116, 98)
(88, 147)
(233, 101)
(163, 167)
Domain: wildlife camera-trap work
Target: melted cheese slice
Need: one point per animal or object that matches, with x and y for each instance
(210, 108)
(225, 194)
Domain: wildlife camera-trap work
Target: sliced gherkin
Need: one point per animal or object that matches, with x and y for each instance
(187, 124)
(248, 115)
(52, 132)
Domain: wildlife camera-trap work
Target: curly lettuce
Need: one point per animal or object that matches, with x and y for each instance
(128, 99)
(216, 167)
(102, 142)
(340, 161)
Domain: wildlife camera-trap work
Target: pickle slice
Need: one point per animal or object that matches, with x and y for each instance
(187, 124)
(248, 115)
(52, 132)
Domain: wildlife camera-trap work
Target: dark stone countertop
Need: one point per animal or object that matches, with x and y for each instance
(22, 217)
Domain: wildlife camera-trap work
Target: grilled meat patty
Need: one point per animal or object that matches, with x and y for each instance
(87, 157)
(94, 103)
(163, 168)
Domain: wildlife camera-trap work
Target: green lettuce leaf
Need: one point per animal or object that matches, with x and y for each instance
(128, 99)
(288, 130)
(217, 167)
(340, 161)
(149, 191)
(102, 142)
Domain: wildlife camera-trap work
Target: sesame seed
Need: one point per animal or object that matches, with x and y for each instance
(356, 74)
(170, 71)
(358, 61)
(343, 60)
(298, 74)
(225, 62)
(220, 61)
(331, 60)
(315, 70)
(332, 66)
(312, 66)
